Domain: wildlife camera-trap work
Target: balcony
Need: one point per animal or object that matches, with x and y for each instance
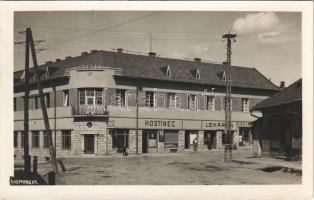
(90, 110)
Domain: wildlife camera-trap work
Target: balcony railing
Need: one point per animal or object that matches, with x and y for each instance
(89, 110)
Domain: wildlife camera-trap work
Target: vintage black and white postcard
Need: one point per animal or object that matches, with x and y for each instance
(151, 100)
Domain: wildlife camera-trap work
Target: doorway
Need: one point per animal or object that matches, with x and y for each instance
(89, 144)
(149, 140)
(190, 136)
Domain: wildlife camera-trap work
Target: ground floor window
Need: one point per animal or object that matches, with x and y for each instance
(66, 139)
(120, 138)
(35, 139)
(210, 139)
(190, 136)
(15, 139)
(45, 138)
(171, 139)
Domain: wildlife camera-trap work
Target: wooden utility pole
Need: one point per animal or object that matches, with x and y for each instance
(228, 120)
(42, 102)
(27, 159)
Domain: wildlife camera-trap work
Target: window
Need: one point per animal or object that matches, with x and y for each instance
(65, 97)
(224, 99)
(91, 96)
(197, 74)
(210, 102)
(192, 102)
(14, 103)
(22, 139)
(120, 98)
(168, 73)
(47, 100)
(120, 138)
(45, 138)
(66, 139)
(15, 139)
(245, 105)
(35, 139)
(172, 100)
(35, 102)
(150, 99)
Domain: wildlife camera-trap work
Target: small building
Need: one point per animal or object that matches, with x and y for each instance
(279, 131)
(101, 101)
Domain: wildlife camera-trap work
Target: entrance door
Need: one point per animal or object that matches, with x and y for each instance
(89, 144)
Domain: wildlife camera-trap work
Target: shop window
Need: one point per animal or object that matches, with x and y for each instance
(65, 97)
(150, 99)
(35, 139)
(120, 98)
(245, 105)
(91, 96)
(66, 139)
(210, 102)
(192, 102)
(16, 139)
(120, 138)
(171, 139)
(45, 138)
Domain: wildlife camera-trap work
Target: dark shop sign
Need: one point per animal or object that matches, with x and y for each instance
(160, 124)
(213, 125)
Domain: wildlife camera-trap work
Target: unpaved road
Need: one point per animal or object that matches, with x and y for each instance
(201, 168)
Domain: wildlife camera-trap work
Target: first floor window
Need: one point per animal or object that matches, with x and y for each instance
(14, 103)
(45, 138)
(35, 139)
(172, 99)
(192, 102)
(91, 96)
(66, 139)
(224, 100)
(210, 102)
(120, 138)
(245, 105)
(150, 99)
(65, 97)
(120, 98)
(15, 139)
(47, 100)
(35, 102)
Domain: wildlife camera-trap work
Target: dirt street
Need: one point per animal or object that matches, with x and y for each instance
(200, 168)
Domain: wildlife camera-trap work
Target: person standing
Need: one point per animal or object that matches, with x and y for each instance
(195, 144)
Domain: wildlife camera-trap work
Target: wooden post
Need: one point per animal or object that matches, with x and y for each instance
(27, 160)
(35, 162)
(42, 103)
(51, 178)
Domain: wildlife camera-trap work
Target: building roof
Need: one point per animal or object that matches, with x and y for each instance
(290, 94)
(149, 67)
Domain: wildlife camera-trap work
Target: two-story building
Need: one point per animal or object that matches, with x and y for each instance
(101, 101)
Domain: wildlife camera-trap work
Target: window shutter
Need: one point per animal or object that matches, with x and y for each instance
(171, 137)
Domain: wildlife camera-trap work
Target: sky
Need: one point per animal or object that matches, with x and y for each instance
(268, 41)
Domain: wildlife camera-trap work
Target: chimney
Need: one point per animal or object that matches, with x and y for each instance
(68, 57)
(224, 63)
(84, 53)
(120, 50)
(282, 84)
(94, 51)
(48, 62)
(197, 59)
(152, 54)
(58, 60)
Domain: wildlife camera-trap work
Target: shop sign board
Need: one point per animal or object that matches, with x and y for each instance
(214, 125)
